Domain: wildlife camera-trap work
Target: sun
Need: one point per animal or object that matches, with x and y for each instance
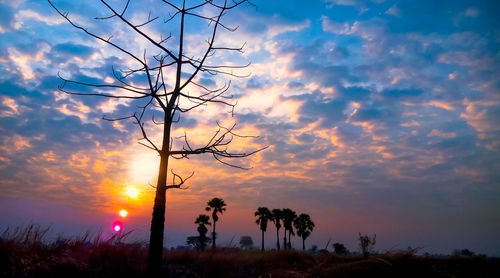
(132, 192)
(123, 213)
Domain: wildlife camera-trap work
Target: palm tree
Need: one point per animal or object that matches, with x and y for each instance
(277, 216)
(288, 218)
(304, 227)
(202, 220)
(264, 215)
(215, 205)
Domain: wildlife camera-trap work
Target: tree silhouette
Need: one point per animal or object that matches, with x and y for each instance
(202, 220)
(246, 242)
(340, 249)
(366, 244)
(304, 226)
(163, 78)
(288, 218)
(193, 241)
(277, 217)
(216, 205)
(264, 215)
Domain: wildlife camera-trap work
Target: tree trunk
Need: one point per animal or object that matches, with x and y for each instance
(303, 244)
(155, 254)
(284, 241)
(289, 237)
(262, 240)
(278, 238)
(155, 251)
(213, 237)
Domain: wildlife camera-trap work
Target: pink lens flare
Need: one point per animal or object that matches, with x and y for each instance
(117, 226)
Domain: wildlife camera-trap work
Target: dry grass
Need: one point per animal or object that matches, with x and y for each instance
(25, 252)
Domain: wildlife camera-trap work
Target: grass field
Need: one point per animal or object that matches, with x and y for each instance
(25, 253)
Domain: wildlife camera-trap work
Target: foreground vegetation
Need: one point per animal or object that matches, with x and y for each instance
(23, 253)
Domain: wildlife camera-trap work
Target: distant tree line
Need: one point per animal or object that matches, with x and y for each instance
(302, 223)
(292, 224)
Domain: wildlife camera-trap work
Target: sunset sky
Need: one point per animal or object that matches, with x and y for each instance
(381, 117)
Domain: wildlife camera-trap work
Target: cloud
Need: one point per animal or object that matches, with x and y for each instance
(352, 2)
(442, 134)
(394, 10)
(340, 28)
(472, 12)
(360, 107)
(22, 16)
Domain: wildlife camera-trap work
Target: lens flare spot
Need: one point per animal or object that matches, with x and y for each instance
(132, 192)
(117, 226)
(123, 213)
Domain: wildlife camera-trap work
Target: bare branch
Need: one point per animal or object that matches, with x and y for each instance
(181, 180)
(140, 32)
(65, 16)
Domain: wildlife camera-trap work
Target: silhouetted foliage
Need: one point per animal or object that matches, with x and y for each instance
(463, 252)
(366, 244)
(288, 218)
(264, 215)
(340, 249)
(202, 220)
(163, 79)
(304, 226)
(26, 253)
(246, 242)
(313, 249)
(216, 205)
(277, 216)
(193, 241)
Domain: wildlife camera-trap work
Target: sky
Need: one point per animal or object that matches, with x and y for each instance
(380, 117)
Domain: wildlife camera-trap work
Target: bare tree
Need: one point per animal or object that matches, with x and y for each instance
(366, 244)
(170, 85)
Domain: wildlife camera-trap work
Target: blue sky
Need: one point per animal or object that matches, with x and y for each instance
(381, 117)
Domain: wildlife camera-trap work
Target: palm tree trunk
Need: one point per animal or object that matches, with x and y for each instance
(213, 237)
(289, 236)
(284, 241)
(278, 238)
(262, 240)
(303, 244)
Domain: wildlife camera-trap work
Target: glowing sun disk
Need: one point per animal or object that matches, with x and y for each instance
(123, 213)
(132, 192)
